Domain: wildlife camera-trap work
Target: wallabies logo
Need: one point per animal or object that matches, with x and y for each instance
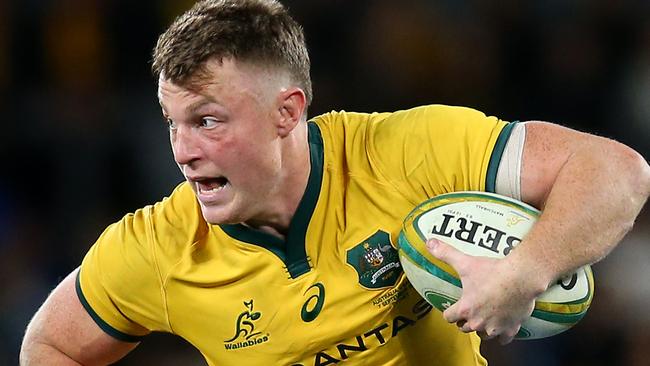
(245, 332)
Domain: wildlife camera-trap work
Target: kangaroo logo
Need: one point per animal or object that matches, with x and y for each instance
(245, 323)
(513, 220)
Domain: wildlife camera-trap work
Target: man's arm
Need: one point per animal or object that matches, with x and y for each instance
(590, 188)
(62, 333)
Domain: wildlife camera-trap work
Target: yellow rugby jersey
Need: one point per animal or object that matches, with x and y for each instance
(334, 290)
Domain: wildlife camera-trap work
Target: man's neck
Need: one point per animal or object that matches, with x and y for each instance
(296, 168)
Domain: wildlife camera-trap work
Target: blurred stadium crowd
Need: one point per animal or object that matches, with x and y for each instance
(83, 141)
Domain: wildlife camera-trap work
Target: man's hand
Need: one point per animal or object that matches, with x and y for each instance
(497, 295)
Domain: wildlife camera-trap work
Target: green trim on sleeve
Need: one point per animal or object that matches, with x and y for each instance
(495, 159)
(100, 322)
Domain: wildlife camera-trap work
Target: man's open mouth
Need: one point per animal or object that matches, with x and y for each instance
(211, 185)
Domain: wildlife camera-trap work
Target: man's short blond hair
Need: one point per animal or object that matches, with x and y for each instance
(257, 31)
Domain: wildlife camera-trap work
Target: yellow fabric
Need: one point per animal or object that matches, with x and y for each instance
(240, 303)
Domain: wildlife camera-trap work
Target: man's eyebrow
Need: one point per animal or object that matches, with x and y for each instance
(192, 108)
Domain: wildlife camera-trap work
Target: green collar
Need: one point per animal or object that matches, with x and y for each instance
(292, 250)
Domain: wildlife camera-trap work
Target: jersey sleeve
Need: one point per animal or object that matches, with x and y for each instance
(437, 149)
(121, 279)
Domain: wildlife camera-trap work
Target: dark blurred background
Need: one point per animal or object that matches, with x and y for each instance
(83, 142)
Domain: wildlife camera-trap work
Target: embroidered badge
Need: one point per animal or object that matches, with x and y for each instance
(376, 261)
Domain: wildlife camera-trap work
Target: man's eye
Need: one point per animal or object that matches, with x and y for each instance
(170, 124)
(208, 122)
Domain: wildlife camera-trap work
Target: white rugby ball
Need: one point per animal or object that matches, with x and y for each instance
(489, 225)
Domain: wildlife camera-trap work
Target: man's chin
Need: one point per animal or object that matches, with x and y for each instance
(216, 216)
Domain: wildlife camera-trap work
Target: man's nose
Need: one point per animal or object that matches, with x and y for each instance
(185, 146)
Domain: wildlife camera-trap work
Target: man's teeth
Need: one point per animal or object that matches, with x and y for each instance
(213, 189)
(204, 189)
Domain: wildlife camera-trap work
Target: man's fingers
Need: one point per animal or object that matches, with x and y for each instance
(508, 336)
(445, 252)
(464, 326)
(485, 335)
(451, 256)
(452, 314)
(469, 313)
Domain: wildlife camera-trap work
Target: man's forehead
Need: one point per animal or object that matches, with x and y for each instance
(225, 79)
(197, 98)
(171, 87)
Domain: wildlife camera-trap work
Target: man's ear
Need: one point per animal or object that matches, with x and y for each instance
(292, 104)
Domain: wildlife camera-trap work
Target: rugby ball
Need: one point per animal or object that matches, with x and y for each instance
(489, 225)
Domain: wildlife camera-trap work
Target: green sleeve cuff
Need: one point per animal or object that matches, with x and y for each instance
(100, 322)
(495, 159)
